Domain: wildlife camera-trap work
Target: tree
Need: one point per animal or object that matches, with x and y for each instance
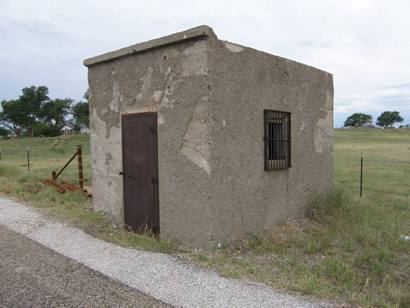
(34, 113)
(21, 115)
(4, 132)
(357, 119)
(52, 116)
(81, 113)
(13, 116)
(388, 118)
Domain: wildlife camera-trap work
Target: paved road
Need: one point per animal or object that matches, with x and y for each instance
(32, 275)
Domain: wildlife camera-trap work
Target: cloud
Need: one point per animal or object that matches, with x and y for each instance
(386, 97)
(310, 43)
(36, 28)
(364, 44)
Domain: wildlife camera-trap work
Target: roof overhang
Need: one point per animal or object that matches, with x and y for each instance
(193, 33)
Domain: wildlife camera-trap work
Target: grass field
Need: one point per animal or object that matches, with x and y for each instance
(47, 154)
(348, 250)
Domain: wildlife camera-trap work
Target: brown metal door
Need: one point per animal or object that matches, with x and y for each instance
(140, 171)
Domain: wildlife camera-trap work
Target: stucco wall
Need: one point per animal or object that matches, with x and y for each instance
(209, 96)
(244, 82)
(172, 81)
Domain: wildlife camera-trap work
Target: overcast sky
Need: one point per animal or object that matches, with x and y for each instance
(364, 44)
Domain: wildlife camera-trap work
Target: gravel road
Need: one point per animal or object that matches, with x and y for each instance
(32, 275)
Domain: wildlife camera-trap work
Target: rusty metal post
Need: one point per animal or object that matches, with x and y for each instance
(80, 167)
(28, 159)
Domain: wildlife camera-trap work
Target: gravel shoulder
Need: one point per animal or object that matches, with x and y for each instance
(158, 275)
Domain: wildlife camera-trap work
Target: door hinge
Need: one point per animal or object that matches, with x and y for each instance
(154, 180)
(153, 129)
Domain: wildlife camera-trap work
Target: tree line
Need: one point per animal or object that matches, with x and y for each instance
(34, 114)
(386, 119)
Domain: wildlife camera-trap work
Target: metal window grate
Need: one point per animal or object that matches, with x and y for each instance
(277, 139)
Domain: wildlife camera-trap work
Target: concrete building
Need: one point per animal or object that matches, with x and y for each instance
(206, 141)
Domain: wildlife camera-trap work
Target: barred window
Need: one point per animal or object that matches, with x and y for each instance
(277, 139)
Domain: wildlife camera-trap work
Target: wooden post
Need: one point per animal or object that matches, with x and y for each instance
(80, 167)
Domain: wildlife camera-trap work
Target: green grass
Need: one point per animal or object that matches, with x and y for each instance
(47, 154)
(348, 249)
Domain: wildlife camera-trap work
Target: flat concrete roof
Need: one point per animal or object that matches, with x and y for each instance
(197, 32)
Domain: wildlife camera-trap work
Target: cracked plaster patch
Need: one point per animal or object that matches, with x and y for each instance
(113, 105)
(323, 133)
(196, 140)
(195, 61)
(145, 83)
(106, 165)
(233, 47)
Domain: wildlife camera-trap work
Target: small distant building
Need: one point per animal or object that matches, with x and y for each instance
(67, 130)
(368, 124)
(205, 141)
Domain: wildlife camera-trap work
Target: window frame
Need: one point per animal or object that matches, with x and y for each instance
(275, 146)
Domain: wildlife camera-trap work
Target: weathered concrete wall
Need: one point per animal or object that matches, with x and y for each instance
(244, 82)
(173, 81)
(210, 96)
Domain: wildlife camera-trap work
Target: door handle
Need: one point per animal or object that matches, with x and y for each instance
(127, 175)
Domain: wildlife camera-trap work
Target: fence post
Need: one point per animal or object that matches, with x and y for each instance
(28, 159)
(80, 167)
(361, 175)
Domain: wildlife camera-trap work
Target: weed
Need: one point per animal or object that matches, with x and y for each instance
(328, 205)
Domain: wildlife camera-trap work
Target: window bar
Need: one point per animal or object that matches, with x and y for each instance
(287, 141)
(264, 140)
(274, 133)
(289, 126)
(284, 143)
(272, 142)
(281, 158)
